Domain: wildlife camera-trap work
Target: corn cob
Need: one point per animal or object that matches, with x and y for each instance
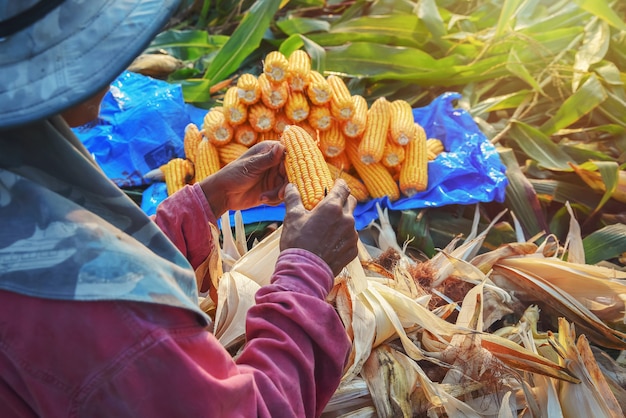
(261, 118)
(414, 171)
(305, 166)
(230, 152)
(354, 127)
(341, 161)
(332, 141)
(309, 130)
(402, 124)
(177, 173)
(275, 66)
(191, 139)
(245, 134)
(393, 154)
(434, 147)
(374, 137)
(248, 89)
(375, 176)
(297, 107)
(215, 127)
(268, 136)
(299, 67)
(341, 105)
(357, 188)
(281, 122)
(273, 95)
(207, 160)
(320, 118)
(318, 89)
(234, 110)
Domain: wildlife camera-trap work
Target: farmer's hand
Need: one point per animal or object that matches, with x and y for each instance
(257, 177)
(327, 230)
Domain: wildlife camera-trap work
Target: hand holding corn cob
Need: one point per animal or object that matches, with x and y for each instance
(327, 231)
(326, 227)
(256, 177)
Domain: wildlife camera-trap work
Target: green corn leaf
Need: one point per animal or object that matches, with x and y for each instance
(196, 90)
(509, 9)
(244, 40)
(521, 197)
(609, 171)
(301, 25)
(563, 191)
(605, 244)
(590, 95)
(593, 49)
(517, 67)
(601, 9)
(428, 12)
(539, 147)
(187, 45)
(413, 226)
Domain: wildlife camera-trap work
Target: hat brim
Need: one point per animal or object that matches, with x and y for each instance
(72, 53)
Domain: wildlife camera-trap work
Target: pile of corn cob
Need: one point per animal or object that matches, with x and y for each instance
(421, 344)
(379, 151)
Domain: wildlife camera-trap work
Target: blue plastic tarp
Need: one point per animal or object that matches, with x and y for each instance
(142, 124)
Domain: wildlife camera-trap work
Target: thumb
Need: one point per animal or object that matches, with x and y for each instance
(270, 156)
(292, 198)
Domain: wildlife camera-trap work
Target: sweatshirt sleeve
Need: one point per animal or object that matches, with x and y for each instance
(185, 217)
(154, 360)
(290, 367)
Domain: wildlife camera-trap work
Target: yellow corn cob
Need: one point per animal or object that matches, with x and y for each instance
(402, 124)
(414, 170)
(341, 105)
(318, 89)
(192, 138)
(320, 118)
(273, 95)
(248, 89)
(281, 122)
(245, 135)
(354, 127)
(434, 147)
(235, 111)
(230, 152)
(393, 154)
(341, 161)
(177, 173)
(261, 118)
(309, 130)
(332, 141)
(275, 66)
(207, 160)
(305, 166)
(395, 172)
(298, 70)
(357, 188)
(375, 176)
(297, 107)
(215, 127)
(268, 136)
(372, 144)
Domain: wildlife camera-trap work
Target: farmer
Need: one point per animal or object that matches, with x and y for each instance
(99, 304)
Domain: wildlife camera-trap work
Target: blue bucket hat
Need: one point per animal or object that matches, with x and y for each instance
(55, 54)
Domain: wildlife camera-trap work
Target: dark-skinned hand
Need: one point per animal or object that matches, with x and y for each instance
(327, 230)
(257, 177)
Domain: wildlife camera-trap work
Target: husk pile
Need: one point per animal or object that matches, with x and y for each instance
(520, 331)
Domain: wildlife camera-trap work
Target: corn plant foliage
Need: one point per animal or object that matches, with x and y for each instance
(543, 80)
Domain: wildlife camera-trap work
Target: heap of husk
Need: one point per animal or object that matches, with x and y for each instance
(520, 331)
